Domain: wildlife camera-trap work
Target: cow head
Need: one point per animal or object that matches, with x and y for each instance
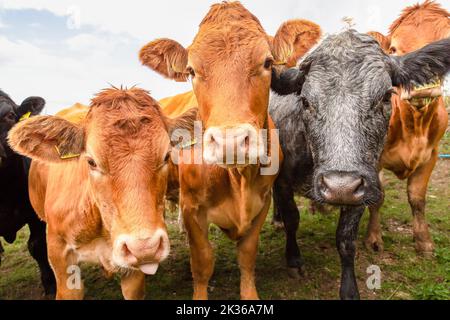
(122, 149)
(10, 114)
(230, 63)
(417, 26)
(344, 90)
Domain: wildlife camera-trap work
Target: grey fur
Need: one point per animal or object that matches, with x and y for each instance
(347, 119)
(335, 118)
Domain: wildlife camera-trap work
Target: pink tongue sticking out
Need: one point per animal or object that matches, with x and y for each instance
(149, 268)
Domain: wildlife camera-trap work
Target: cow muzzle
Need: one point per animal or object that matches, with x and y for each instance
(422, 96)
(144, 253)
(341, 188)
(236, 146)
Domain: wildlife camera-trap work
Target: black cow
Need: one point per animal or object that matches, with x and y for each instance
(333, 121)
(15, 207)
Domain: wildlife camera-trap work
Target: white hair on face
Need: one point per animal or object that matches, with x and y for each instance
(349, 23)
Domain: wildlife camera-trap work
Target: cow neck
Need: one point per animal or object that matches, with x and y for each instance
(251, 171)
(245, 180)
(14, 179)
(416, 122)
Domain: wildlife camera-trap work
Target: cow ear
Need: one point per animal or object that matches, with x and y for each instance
(289, 80)
(385, 42)
(47, 139)
(293, 39)
(421, 66)
(31, 105)
(182, 126)
(167, 57)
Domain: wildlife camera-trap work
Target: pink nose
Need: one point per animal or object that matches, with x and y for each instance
(231, 146)
(135, 251)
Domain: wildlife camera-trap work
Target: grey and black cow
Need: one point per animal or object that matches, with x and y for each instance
(15, 207)
(333, 111)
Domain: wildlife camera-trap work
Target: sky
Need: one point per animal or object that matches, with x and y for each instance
(68, 50)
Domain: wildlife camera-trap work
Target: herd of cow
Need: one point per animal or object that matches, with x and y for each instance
(345, 105)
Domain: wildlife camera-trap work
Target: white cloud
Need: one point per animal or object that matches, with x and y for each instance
(92, 43)
(2, 24)
(106, 51)
(75, 74)
(135, 17)
(179, 18)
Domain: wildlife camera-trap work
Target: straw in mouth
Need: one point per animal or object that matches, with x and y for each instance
(423, 95)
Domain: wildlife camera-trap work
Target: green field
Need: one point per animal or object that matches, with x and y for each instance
(404, 274)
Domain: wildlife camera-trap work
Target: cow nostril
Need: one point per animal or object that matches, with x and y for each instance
(246, 143)
(341, 188)
(127, 254)
(125, 250)
(324, 183)
(359, 186)
(160, 250)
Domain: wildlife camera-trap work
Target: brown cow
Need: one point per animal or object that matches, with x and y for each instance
(230, 64)
(418, 120)
(75, 113)
(100, 186)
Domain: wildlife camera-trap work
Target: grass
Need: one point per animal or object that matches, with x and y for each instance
(445, 144)
(405, 275)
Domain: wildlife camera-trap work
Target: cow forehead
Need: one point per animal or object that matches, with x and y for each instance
(137, 129)
(5, 107)
(419, 25)
(123, 144)
(227, 29)
(134, 107)
(240, 47)
(430, 16)
(123, 122)
(347, 62)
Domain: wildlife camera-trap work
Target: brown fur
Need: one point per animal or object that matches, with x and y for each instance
(230, 87)
(384, 41)
(293, 39)
(411, 147)
(175, 58)
(417, 26)
(173, 106)
(57, 132)
(419, 14)
(75, 113)
(87, 209)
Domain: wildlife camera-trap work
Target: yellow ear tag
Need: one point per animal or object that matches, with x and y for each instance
(67, 155)
(188, 144)
(25, 116)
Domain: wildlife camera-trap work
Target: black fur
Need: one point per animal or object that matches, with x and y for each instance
(334, 118)
(420, 66)
(15, 207)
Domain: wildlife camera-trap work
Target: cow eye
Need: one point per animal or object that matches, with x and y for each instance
(11, 116)
(387, 96)
(167, 157)
(191, 71)
(268, 63)
(305, 103)
(91, 163)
